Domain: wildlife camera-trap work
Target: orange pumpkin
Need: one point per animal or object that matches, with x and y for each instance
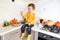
(57, 24)
(11, 21)
(14, 21)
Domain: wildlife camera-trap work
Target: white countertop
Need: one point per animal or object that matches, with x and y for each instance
(38, 29)
(4, 30)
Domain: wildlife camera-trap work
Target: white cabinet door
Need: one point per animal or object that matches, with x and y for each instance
(14, 35)
(15, 38)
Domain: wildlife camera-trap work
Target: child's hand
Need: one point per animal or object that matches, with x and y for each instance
(29, 24)
(21, 13)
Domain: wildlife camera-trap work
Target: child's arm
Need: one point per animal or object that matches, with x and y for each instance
(23, 16)
(21, 13)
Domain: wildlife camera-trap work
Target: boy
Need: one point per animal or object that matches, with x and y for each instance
(30, 20)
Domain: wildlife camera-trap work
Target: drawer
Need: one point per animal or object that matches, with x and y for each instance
(12, 35)
(14, 38)
(42, 36)
(52, 38)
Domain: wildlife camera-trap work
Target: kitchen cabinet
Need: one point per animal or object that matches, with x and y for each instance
(42, 36)
(39, 34)
(10, 33)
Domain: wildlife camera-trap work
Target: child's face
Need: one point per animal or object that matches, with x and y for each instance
(30, 9)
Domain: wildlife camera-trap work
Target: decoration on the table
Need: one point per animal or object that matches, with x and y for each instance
(15, 22)
(6, 23)
(49, 22)
(57, 24)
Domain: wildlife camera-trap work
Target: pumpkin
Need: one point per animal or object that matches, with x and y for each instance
(57, 24)
(14, 21)
(49, 23)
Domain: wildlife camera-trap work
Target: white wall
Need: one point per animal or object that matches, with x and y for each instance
(47, 9)
(9, 10)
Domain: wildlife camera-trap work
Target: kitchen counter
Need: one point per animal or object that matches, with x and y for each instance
(37, 29)
(10, 33)
(4, 30)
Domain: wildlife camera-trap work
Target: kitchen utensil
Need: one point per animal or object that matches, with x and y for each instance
(55, 29)
(42, 21)
(49, 23)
